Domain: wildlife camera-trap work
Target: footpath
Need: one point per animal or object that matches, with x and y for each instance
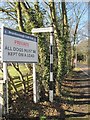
(76, 95)
(73, 104)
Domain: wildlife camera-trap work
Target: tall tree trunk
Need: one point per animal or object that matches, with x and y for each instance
(43, 45)
(19, 16)
(65, 40)
(29, 17)
(57, 47)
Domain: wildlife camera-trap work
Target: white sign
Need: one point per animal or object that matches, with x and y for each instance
(38, 30)
(18, 46)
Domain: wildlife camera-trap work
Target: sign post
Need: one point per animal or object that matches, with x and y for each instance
(16, 47)
(51, 31)
(1, 97)
(51, 68)
(5, 89)
(34, 84)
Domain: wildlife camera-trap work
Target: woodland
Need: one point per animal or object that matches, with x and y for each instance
(70, 23)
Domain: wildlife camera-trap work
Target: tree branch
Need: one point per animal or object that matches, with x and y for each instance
(8, 13)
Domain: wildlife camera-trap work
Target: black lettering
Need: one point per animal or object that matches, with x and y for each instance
(17, 49)
(30, 55)
(12, 53)
(14, 48)
(20, 54)
(27, 50)
(25, 55)
(34, 51)
(8, 48)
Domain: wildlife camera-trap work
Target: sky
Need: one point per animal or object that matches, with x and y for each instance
(83, 20)
(73, 14)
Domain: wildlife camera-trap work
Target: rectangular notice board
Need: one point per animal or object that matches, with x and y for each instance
(18, 46)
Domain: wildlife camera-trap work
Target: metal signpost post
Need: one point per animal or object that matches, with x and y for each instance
(51, 31)
(15, 47)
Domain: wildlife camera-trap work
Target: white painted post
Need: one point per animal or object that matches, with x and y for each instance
(51, 31)
(4, 72)
(51, 67)
(5, 89)
(1, 98)
(34, 84)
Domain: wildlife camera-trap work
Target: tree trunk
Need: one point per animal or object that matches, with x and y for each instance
(19, 16)
(57, 47)
(65, 38)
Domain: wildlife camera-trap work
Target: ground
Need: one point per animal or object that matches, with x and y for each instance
(73, 103)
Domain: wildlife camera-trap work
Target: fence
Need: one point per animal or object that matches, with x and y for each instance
(16, 86)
